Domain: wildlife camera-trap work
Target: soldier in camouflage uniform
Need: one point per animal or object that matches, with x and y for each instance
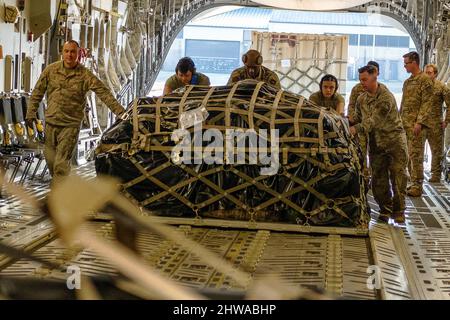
(185, 74)
(253, 69)
(66, 82)
(377, 117)
(328, 96)
(435, 133)
(415, 111)
(362, 139)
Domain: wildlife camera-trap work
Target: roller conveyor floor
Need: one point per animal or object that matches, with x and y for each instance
(412, 260)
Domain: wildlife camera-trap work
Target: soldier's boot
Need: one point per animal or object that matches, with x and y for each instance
(435, 178)
(414, 191)
(385, 213)
(384, 216)
(399, 217)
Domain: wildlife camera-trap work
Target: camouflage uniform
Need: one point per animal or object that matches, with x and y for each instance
(356, 92)
(362, 139)
(66, 91)
(378, 117)
(331, 103)
(174, 83)
(415, 108)
(265, 75)
(435, 134)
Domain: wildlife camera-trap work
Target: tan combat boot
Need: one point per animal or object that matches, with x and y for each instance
(384, 217)
(399, 217)
(414, 191)
(435, 179)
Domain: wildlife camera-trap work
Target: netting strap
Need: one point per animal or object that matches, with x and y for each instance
(184, 98)
(135, 121)
(274, 109)
(158, 115)
(298, 110)
(228, 104)
(251, 109)
(206, 99)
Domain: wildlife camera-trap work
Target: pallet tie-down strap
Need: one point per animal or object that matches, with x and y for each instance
(273, 115)
(142, 177)
(251, 108)
(207, 97)
(289, 150)
(302, 186)
(160, 184)
(135, 122)
(297, 115)
(158, 115)
(176, 187)
(183, 100)
(200, 177)
(228, 104)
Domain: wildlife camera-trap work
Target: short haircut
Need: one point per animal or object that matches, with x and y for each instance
(369, 69)
(329, 77)
(374, 63)
(74, 42)
(184, 65)
(413, 56)
(433, 66)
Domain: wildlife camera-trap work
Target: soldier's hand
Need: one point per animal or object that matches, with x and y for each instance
(30, 122)
(417, 129)
(352, 131)
(350, 119)
(444, 124)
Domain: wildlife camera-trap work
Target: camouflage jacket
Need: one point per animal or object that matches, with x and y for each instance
(378, 118)
(174, 83)
(66, 94)
(417, 100)
(331, 103)
(265, 75)
(356, 92)
(441, 94)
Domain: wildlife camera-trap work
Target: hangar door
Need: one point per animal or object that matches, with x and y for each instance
(301, 60)
(214, 56)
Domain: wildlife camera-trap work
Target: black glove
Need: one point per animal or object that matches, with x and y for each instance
(30, 122)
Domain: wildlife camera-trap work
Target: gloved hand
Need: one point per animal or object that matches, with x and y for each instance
(30, 122)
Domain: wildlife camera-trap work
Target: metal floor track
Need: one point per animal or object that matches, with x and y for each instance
(405, 262)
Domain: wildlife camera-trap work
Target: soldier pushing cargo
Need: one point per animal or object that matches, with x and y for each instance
(435, 133)
(253, 69)
(415, 112)
(328, 96)
(185, 74)
(377, 117)
(362, 139)
(66, 83)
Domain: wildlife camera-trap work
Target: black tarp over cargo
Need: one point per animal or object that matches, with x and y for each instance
(318, 181)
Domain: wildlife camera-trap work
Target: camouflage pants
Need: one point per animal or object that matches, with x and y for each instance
(363, 145)
(447, 137)
(435, 137)
(389, 177)
(416, 149)
(59, 145)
